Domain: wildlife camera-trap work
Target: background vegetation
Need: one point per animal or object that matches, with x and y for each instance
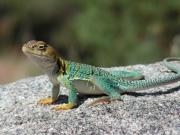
(97, 32)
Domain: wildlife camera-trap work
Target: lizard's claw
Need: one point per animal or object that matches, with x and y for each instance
(64, 107)
(46, 101)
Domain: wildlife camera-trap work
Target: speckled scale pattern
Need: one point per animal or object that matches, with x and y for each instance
(143, 84)
(85, 72)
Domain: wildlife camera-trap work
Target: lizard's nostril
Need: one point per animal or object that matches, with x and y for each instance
(32, 45)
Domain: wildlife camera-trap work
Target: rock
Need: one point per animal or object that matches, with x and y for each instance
(151, 111)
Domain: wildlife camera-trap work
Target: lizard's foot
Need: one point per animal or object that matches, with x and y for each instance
(103, 100)
(64, 106)
(46, 101)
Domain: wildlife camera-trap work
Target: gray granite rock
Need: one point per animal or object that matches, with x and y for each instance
(151, 111)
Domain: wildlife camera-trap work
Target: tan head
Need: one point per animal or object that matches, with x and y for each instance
(39, 48)
(41, 53)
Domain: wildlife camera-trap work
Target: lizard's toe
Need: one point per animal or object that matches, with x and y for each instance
(64, 107)
(46, 101)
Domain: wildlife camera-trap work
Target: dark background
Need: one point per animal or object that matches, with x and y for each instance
(97, 32)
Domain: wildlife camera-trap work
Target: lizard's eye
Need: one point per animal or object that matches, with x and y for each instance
(41, 47)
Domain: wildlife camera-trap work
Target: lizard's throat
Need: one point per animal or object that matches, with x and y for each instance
(45, 63)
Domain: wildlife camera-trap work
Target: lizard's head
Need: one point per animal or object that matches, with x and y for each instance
(40, 52)
(39, 49)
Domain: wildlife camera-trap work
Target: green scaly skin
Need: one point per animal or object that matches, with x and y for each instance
(87, 79)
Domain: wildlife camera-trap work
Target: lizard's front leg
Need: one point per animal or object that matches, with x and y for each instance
(72, 99)
(53, 98)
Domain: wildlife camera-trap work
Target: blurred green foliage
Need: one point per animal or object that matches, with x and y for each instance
(99, 32)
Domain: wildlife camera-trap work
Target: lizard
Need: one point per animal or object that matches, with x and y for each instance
(87, 79)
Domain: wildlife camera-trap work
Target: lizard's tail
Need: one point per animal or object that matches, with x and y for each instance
(169, 65)
(143, 84)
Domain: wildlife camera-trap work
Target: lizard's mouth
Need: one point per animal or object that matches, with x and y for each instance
(48, 53)
(34, 53)
(27, 51)
(30, 54)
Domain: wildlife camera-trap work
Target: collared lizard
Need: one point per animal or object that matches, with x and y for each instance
(87, 79)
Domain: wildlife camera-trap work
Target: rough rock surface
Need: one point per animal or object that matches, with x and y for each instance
(151, 111)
